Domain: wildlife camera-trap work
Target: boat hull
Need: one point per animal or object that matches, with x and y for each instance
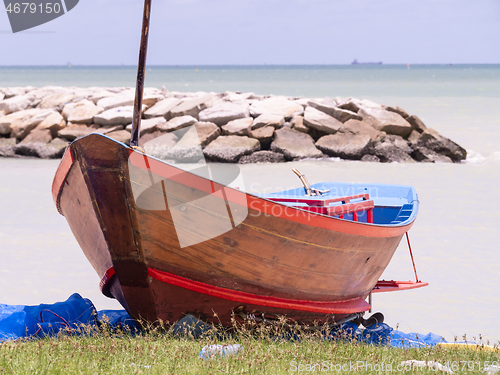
(171, 255)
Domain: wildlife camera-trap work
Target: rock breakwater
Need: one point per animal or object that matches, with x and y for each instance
(232, 127)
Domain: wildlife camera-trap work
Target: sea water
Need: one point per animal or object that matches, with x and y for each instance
(454, 239)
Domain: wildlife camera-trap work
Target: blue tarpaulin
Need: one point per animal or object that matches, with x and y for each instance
(383, 334)
(19, 321)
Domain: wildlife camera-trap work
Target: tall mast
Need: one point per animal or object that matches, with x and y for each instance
(136, 121)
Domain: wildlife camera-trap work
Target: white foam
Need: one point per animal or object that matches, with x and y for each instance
(474, 157)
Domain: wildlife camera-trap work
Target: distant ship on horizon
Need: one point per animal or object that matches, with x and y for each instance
(356, 62)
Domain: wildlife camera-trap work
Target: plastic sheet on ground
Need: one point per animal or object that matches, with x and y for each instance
(18, 321)
(383, 334)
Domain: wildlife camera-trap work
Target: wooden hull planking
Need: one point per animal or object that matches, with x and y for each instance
(120, 207)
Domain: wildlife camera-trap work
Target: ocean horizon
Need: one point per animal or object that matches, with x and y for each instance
(362, 81)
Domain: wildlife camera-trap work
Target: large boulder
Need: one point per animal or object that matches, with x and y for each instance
(316, 119)
(10, 92)
(162, 108)
(297, 123)
(57, 100)
(82, 112)
(100, 94)
(22, 122)
(52, 150)
(354, 105)
(7, 147)
(53, 122)
(264, 135)
(16, 103)
(177, 123)
(120, 100)
(238, 127)
(237, 96)
(344, 145)
(207, 132)
(122, 136)
(413, 137)
(56, 147)
(278, 105)
(38, 136)
(187, 149)
(50, 93)
(115, 116)
(72, 132)
(6, 122)
(30, 149)
(340, 114)
(229, 149)
(224, 112)
(108, 129)
(399, 111)
(268, 119)
(392, 148)
(370, 158)
(127, 98)
(432, 140)
(294, 145)
(424, 155)
(386, 121)
(416, 123)
(193, 106)
(158, 144)
(262, 157)
(149, 125)
(360, 128)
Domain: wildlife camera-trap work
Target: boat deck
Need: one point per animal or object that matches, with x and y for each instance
(366, 203)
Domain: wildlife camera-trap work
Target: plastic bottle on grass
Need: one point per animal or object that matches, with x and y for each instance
(210, 351)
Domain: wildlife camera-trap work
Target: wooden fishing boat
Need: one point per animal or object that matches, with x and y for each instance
(167, 240)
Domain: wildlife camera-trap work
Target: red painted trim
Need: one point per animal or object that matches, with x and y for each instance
(265, 206)
(60, 177)
(338, 225)
(370, 216)
(392, 286)
(340, 210)
(326, 307)
(104, 283)
(321, 202)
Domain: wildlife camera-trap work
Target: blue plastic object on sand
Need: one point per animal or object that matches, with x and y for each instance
(19, 321)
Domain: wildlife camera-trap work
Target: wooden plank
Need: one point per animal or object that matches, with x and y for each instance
(392, 285)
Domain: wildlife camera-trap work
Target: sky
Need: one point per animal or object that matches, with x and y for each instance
(255, 32)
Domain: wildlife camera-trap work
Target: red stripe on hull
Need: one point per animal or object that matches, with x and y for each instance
(326, 307)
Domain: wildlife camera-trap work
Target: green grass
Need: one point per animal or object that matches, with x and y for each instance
(157, 351)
